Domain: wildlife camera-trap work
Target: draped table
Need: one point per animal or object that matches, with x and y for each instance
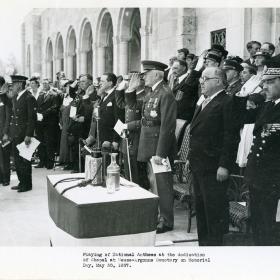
(89, 216)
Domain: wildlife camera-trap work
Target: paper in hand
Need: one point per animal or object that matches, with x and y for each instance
(161, 168)
(73, 112)
(119, 127)
(27, 151)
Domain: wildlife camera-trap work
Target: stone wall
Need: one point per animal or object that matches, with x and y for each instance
(161, 31)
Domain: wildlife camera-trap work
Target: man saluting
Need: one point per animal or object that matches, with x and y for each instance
(157, 138)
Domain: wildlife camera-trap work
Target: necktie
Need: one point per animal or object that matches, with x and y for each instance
(176, 82)
(104, 96)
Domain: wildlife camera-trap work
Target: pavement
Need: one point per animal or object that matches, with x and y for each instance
(24, 217)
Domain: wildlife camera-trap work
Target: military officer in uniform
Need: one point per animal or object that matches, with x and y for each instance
(22, 129)
(233, 69)
(131, 99)
(263, 167)
(5, 115)
(157, 137)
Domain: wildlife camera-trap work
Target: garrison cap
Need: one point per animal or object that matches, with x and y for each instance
(233, 63)
(153, 65)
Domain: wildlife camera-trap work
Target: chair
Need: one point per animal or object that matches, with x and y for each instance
(238, 195)
(182, 182)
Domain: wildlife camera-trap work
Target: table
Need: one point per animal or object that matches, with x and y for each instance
(89, 216)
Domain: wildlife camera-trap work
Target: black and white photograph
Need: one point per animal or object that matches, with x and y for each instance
(139, 135)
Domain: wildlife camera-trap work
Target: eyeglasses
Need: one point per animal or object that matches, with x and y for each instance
(204, 79)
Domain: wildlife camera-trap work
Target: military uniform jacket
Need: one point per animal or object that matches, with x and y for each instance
(5, 116)
(234, 88)
(158, 124)
(109, 115)
(23, 116)
(186, 95)
(133, 111)
(213, 135)
(263, 166)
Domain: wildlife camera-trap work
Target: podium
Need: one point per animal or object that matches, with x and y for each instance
(89, 216)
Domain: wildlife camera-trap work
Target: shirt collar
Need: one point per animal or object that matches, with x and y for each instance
(277, 101)
(140, 91)
(110, 91)
(215, 94)
(20, 94)
(231, 84)
(182, 77)
(155, 85)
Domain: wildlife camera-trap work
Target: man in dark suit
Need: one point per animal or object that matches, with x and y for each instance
(109, 114)
(157, 138)
(5, 116)
(22, 129)
(252, 48)
(185, 90)
(263, 167)
(47, 125)
(211, 156)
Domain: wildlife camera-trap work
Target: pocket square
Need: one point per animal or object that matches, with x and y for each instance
(109, 104)
(1, 104)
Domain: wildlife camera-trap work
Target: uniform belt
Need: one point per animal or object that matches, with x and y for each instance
(150, 123)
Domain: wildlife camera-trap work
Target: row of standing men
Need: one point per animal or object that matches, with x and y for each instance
(214, 131)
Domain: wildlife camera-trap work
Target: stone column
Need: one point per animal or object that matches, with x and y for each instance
(57, 64)
(186, 29)
(83, 62)
(261, 24)
(116, 55)
(275, 26)
(70, 66)
(49, 70)
(100, 60)
(123, 57)
(145, 43)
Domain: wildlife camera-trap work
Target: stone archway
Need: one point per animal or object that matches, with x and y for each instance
(129, 40)
(86, 58)
(49, 60)
(59, 62)
(28, 62)
(104, 44)
(71, 55)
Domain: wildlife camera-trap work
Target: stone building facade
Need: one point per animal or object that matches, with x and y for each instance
(116, 39)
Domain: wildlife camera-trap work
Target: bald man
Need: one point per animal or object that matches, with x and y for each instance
(211, 157)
